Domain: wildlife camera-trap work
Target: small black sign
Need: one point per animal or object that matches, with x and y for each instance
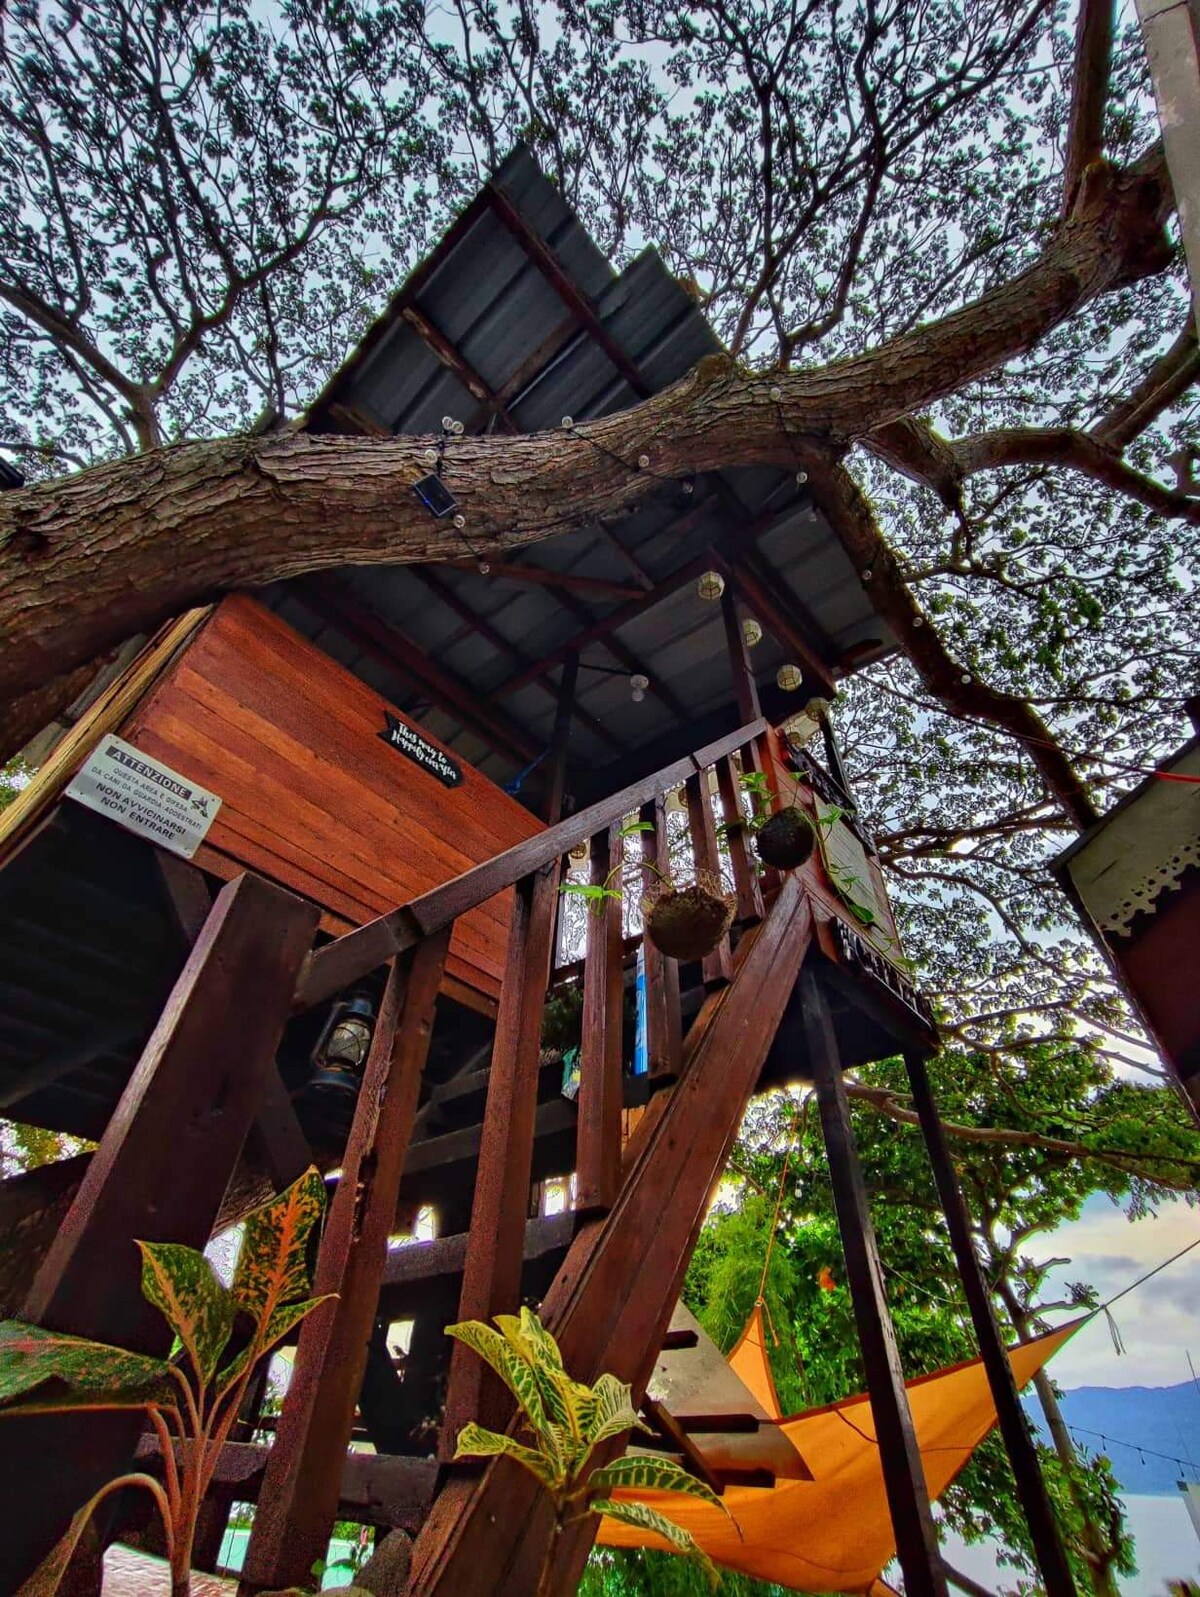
(421, 752)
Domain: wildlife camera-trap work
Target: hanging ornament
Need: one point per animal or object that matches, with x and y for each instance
(789, 677)
(751, 632)
(579, 853)
(637, 687)
(711, 586)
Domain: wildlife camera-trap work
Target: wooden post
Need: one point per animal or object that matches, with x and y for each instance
(299, 1498)
(1014, 1427)
(598, 1162)
(717, 966)
(745, 688)
(900, 1458)
(741, 860)
(664, 1025)
(159, 1174)
(559, 740)
(496, 1245)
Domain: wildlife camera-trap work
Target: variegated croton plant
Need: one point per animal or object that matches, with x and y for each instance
(192, 1398)
(568, 1422)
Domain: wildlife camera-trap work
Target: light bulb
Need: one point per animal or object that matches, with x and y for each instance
(776, 395)
(789, 677)
(484, 568)
(447, 423)
(568, 421)
(751, 632)
(457, 429)
(643, 462)
(867, 575)
(637, 686)
(431, 458)
(711, 586)
(688, 487)
(460, 522)
(802, 478)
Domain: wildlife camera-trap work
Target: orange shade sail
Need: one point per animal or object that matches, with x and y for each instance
(834, 1533)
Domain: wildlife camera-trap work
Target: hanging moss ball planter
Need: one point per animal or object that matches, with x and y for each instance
(786, 840)
(688, 922)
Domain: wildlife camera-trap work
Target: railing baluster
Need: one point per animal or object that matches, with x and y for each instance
(598, 1162)
(664, 1026)
(299, 1497)
(741, 860)
(496, 1247)
(757, 756)
(718, 966)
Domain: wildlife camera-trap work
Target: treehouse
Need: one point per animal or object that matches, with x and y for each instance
(1134, 877)
(289, 890)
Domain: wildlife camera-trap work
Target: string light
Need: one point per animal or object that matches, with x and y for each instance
(638, 685)
(710, 586)
(751, 632)
(789, 677)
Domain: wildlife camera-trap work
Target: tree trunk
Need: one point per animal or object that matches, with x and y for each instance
(88, 560)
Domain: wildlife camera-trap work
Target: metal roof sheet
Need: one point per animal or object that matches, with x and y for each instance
(500, 303)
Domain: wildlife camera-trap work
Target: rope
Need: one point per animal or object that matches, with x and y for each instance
(1125, 1291)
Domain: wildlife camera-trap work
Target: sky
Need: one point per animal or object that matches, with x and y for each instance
(1159, 1322)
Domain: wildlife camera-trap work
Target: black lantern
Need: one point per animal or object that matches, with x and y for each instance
(340, 1056)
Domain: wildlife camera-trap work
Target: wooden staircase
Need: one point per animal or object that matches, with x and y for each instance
(606, 1274)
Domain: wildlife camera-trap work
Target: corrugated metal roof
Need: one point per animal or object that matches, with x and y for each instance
(486, 293)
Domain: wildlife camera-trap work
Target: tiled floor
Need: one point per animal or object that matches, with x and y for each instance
(130, 1574)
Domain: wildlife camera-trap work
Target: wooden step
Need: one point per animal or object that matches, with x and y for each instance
(420, 1274)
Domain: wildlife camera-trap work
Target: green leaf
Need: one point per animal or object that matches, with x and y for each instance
(185, 1289)
(639, 1472)
(650, 1519)
(30, 1356)
(476, 1442)
(276, 1327)
(272, 1265)
(512, 1370)
(614, 1411)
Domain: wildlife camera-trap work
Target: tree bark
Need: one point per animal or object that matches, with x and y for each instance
(90, 559)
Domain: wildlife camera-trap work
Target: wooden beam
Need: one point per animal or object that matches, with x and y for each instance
(351, 957)
(332, 603)
(598, 1166)
(717, 966)
(899, 1454)
(611, 1303)
(453, 358)
(599, 629)
(1014, 1426)
(300, 1490)
(767, 598)
(560, 742)
(745, 688)
(496, 1241)
(540, 577)
(159, 1174)
(477, 623)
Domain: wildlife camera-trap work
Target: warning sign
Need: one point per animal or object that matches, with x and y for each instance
(145, 796)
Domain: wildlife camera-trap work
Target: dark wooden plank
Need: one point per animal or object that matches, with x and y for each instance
(598, 1165)
(717, 966)
(673, 1433)
(159, 1174)
(295, 1518)
(742, 860)
(560, 739)
(444, 1257)
(612, 1300)
(899, 1454)
(495, 1251)
(359, 952)
(664, 1026)
(375, 1488)
(1014, 1426)
(745, 688)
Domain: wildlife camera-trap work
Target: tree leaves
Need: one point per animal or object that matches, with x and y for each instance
(272, 1265)
(646, 1518)
(475, 1441)
(198, 1307)
(90, 1374)
(643, 1472)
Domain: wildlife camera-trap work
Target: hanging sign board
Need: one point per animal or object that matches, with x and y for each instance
(849, 871)
(420, 751)
(145, 796)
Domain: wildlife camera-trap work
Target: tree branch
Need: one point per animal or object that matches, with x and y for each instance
(1089, 93)
(1167, 381)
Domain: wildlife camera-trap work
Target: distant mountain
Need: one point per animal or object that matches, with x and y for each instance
(1131, 1425)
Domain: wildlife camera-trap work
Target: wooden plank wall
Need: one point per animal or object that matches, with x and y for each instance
(312, 796)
